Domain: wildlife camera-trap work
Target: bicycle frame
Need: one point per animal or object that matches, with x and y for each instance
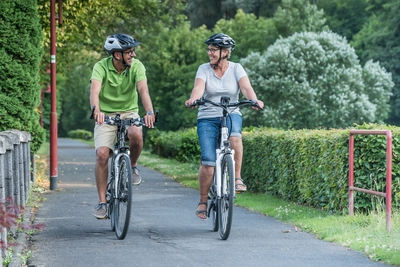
(224, 148)
(120, 150)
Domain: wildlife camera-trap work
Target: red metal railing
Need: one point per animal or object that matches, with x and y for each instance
(388, 194)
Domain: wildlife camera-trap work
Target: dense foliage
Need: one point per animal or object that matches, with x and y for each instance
(204, 12)
(379, 40)
(171, 48)
(20, 52)
(344, 17)
(304, 166)
(312, 80)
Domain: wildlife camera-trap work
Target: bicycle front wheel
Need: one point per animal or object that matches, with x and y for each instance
(110, 203)
(123, 200)
(110, 195)
(212, 206)
(226, 202)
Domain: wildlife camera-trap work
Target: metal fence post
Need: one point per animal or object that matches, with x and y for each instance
(3, 230)
(15, 175)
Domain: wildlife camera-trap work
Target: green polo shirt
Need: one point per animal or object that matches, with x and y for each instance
(118, 92)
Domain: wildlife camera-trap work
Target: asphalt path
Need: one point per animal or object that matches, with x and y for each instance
(163, 230)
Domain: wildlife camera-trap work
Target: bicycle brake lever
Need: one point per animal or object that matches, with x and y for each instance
(92, 114)
(156, 116)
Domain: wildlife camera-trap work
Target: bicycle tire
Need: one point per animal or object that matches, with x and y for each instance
(212, 207)
(110, 203)
(226, 202)
(110, 195)
(123, 202)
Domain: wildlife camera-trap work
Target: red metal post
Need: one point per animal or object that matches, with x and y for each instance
(388, 180)
(351, 174)
(53, 113)
(352, 188)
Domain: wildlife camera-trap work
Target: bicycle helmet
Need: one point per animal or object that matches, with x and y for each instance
(221, 40)
(119, 42)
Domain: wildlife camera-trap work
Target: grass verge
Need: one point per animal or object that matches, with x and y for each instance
(364, 233)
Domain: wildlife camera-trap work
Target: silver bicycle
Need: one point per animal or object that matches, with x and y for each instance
(222, 191)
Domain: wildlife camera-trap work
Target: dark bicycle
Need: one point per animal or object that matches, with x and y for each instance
(119, 186)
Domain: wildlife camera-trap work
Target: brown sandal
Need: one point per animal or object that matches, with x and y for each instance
(202, 212)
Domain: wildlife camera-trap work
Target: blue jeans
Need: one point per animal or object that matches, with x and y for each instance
(207, 131)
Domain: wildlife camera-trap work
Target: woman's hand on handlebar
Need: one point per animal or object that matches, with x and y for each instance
(260, 105)
(190, 103)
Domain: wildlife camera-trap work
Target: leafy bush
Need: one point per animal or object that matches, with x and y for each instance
(80, 134)
(20, 53)
(312, 80)
(181, 145)
(304, 166)
(11, 216)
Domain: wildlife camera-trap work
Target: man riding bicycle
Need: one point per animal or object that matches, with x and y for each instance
(115, 84)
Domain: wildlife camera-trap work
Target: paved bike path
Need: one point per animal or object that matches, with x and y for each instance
(163, 229)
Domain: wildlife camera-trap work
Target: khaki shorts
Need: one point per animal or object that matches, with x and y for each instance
(105, 135)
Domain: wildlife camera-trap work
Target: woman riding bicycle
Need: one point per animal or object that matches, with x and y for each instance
(217, 78)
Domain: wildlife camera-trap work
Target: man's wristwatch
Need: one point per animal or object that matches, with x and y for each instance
(150, 112)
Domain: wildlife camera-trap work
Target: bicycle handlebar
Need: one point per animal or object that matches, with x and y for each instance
(225, 103)
(128, 122)
(117, 120)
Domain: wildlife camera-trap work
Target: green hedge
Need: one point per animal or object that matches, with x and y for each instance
(20, 53)
(305, 166)
(182, 145)
(80, 134)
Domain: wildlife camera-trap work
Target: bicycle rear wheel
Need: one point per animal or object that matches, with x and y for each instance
(123, 201)
(226, 202)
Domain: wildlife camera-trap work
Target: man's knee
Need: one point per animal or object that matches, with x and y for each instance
(135, 134)
(102, 154)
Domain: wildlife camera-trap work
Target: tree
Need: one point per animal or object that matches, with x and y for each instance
(171, 72)
(260, 8)
(207, 13)
(85, 27)
(75, 89)
(21, 52)
(312, 80)
(345, 17)
(249, 32)
(298, 16)
(379, 40)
